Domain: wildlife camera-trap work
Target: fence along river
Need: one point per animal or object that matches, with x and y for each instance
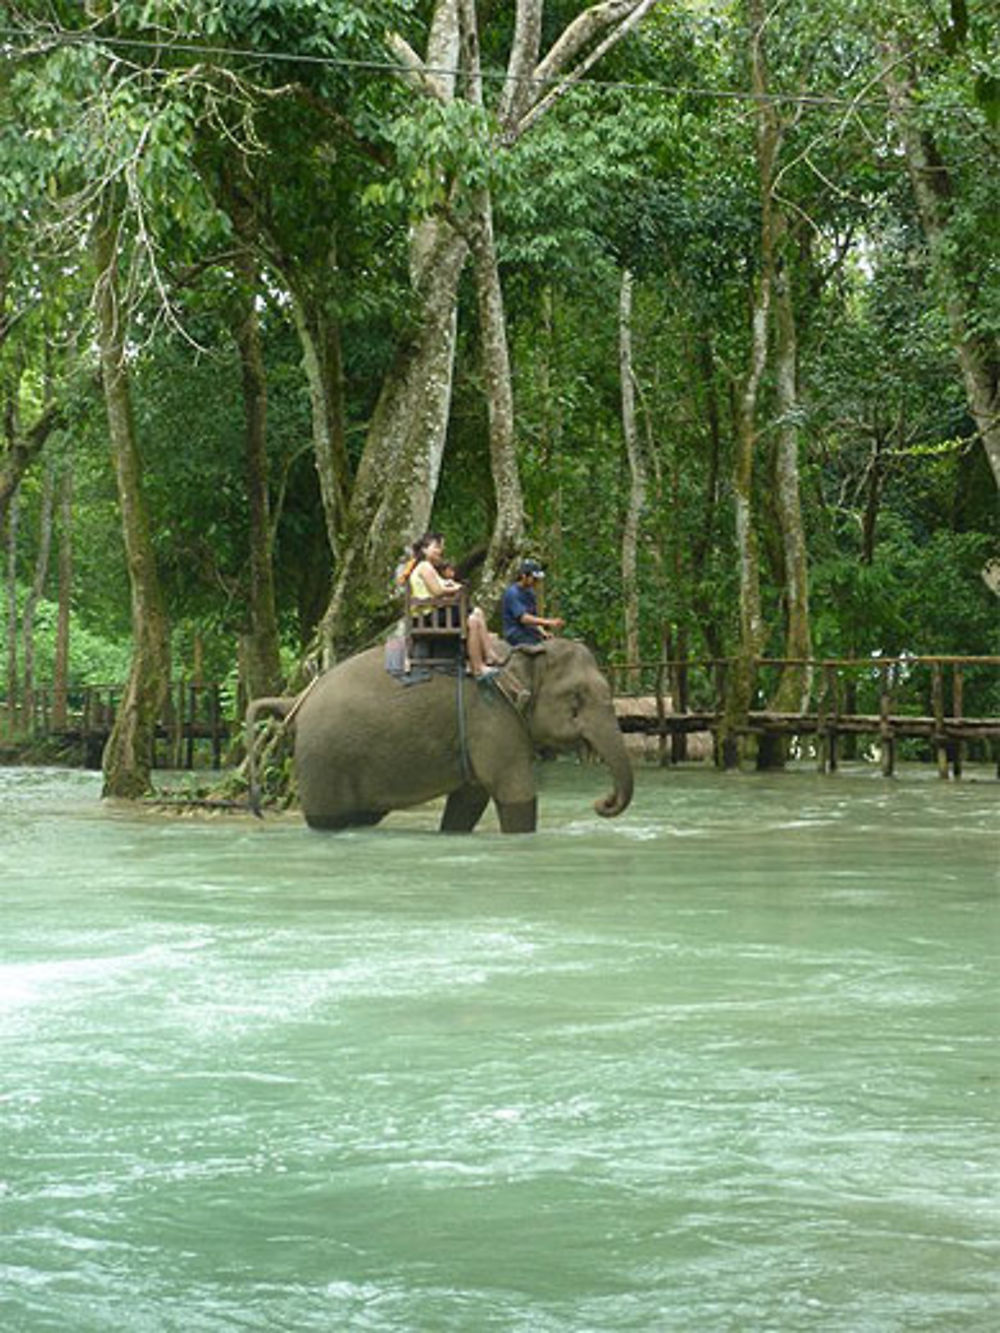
(878, 702)
(728, 1062)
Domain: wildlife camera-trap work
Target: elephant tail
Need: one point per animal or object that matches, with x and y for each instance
(281, 706)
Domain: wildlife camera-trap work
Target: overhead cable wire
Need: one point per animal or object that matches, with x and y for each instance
(390, 67)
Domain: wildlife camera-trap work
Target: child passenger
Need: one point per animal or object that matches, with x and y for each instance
(428, 576)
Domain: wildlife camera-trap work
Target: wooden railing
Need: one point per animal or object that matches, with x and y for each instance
(884, 699)
(879, 700)
(193, 713)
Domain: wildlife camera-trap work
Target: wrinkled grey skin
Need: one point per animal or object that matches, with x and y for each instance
(366, 744)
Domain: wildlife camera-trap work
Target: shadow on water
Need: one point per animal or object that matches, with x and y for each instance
(727, 1062)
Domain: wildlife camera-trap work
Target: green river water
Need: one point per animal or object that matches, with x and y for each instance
(728, 1062)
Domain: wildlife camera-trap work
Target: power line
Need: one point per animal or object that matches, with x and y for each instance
(393, 68)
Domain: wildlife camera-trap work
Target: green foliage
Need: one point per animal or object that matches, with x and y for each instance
(95, 659)
(335, 161)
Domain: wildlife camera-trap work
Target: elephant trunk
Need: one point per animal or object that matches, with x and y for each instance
(601, 733)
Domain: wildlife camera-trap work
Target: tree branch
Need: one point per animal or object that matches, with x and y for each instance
(582, 30)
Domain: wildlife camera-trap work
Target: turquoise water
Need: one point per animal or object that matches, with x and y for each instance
(728, 1062)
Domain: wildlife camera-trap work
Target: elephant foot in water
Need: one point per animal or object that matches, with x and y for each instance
(518, 816)
(463, 809)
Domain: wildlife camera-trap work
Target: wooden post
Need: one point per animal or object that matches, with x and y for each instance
(886, 736)
(957, 690)
(190, 723)
(821, 710)
(720, 706)
(937, 698)
(661, 713)
(86, 716)
(177, 728)
(832, 734)
(682, 704)
(216, 706)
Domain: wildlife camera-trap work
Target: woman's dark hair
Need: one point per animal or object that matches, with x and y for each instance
(421, 544)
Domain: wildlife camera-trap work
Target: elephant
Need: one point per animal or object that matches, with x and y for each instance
(367, 741)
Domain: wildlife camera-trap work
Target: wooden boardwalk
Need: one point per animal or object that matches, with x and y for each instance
(193, 714)
(866, 705)
(882, 701)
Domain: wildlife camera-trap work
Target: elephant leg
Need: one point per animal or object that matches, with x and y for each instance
(463, 809)
(518, 816)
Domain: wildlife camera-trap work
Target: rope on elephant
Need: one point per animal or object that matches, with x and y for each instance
(463, 746)
(300, 700)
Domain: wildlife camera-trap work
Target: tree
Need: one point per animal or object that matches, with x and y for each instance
(35, 593)
(128, 754)
(637, 475)
(398, 473)
(60, 669)
(940, 205)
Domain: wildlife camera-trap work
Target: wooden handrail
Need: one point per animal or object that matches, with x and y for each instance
(872, 663)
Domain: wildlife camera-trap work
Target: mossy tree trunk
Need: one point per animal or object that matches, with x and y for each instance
(507, 539)
(315, 312)
(740, 683)
(128, 754)
(397, 477)
(637, 473)
(35, 594)
(794, 687)
(976, 345)
(9, 532)
(60, 670)
(261, 654)
(393, 491)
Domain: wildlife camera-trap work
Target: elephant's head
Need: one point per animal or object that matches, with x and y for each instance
(570, 710)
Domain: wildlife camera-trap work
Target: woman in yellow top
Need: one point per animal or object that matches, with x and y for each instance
(422, 573)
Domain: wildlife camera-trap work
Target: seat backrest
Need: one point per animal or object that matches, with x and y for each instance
(436, 627)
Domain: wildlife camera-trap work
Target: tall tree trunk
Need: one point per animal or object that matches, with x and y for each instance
(793, 692)
(549, 521)
(35, 594)
(752, 634)
(129, 752)
(261, 654)
(397, 476)
(322, 356)
(507, 539)
(60, 671)
(13, 681)
(976, 345)
(703, 371)
(637, 473)
(399, 469)
(508, 529)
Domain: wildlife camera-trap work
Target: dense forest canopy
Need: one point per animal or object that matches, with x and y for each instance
(697, 301)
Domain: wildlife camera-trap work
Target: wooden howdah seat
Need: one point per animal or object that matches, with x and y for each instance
(436, 628)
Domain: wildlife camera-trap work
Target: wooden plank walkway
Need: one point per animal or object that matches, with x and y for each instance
(907, 697)
(193, 713)
(881, 700)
